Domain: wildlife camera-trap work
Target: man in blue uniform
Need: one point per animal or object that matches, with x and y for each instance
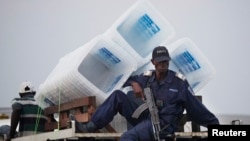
(172, 95)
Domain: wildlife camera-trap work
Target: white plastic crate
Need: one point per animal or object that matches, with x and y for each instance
(96, 68)
(140, 29)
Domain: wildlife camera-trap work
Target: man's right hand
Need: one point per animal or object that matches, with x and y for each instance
(138, 91)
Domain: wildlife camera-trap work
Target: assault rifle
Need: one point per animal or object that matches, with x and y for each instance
(150, 104)
(153, 110)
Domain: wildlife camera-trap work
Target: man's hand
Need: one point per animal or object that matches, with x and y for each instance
(138, 91)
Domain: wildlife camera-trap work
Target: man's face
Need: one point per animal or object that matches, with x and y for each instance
(162, 66)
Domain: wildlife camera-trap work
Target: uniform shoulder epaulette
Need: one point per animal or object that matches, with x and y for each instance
(148, 73)
(181, 76)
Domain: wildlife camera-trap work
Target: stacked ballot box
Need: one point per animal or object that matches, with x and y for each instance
(191, 62)
(96, 68)
(103, 64)
(187, 59)
(140, 29)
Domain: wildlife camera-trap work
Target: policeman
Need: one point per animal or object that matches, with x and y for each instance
(172, 95)
(26, 113)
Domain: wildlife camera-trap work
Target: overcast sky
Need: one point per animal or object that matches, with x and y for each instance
(34, 35)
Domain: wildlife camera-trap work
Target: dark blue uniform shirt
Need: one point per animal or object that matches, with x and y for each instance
(173, 95)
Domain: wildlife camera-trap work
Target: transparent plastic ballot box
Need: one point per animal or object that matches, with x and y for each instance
(140, 29)
(189, 60)
(96, 68)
